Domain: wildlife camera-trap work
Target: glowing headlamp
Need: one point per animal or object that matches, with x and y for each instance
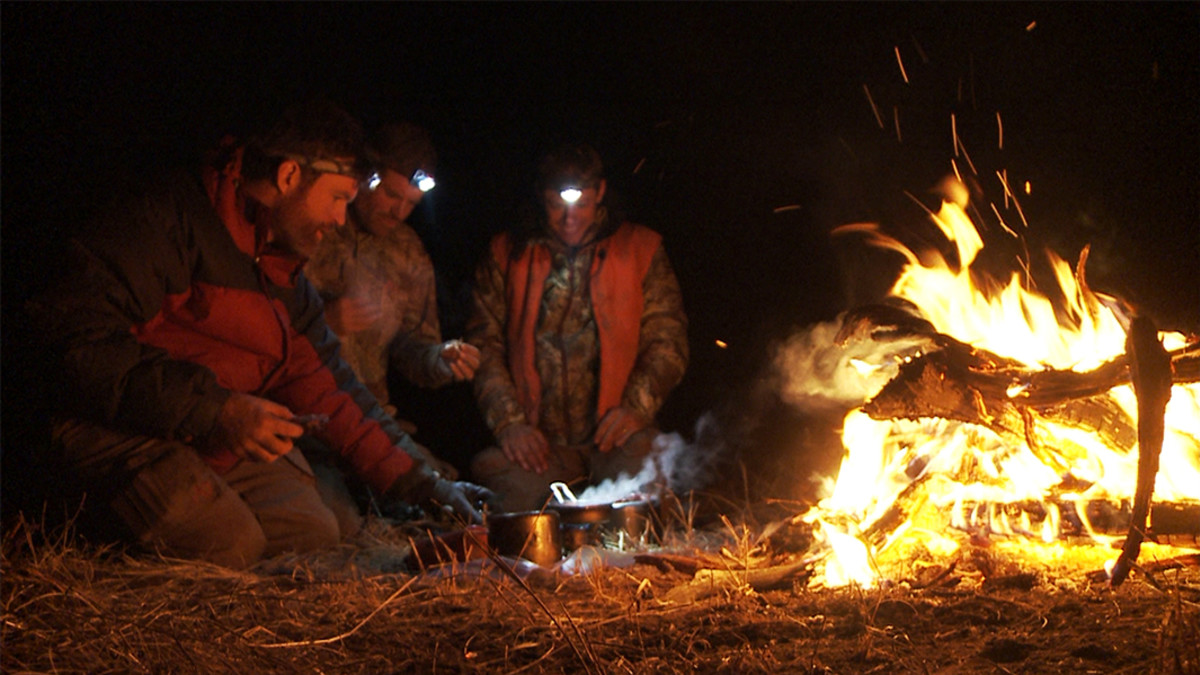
(570, 194)
(423, 181)
(420, 180)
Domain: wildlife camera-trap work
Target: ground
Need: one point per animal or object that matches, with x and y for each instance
(991, 607)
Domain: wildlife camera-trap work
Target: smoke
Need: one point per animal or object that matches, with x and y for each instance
(819, 371)
(674, 464)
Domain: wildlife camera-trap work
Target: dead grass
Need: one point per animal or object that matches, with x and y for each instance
(71, 608)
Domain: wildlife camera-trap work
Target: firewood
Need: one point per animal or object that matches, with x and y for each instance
(709, 582)
(1150, 367)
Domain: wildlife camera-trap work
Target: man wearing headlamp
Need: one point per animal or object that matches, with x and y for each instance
(189, 354)
(378, 282)
(580, 322)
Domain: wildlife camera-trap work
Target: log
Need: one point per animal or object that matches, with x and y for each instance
(1151, 371)
(709, 582)
(955, 381)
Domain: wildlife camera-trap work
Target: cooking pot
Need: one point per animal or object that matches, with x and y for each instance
(532, 535)
(631, 517)
(582, 513)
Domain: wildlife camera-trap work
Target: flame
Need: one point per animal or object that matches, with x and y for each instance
(970, 476)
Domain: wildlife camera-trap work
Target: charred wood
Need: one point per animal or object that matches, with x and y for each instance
(1150, 367)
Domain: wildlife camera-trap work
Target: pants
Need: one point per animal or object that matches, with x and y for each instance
(163, 496)
(521, 490)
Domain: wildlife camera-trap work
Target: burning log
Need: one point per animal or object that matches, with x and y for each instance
(956, 381)
(1151, 369)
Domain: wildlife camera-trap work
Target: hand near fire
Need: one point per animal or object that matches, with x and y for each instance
(254, 428)
(525, 446)
(617, 426)
(459, 359)
(352, 314)
(463, 498)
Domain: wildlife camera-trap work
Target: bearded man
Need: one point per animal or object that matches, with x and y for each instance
(190, 353)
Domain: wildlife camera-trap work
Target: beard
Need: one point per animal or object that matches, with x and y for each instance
(295, 230)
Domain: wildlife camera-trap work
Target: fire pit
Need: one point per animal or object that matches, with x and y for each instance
(999, 412)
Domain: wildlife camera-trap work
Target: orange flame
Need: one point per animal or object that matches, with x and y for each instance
(955, 464)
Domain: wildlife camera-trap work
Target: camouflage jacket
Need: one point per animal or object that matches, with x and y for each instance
(567, 348)
(397, 270)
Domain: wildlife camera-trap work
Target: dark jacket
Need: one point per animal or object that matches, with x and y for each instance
(165, 310)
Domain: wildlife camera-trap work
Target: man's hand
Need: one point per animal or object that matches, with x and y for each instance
(254, 428)
(526, 446)
(460, 359)
(616, 427)
(465, 499)
(350, 314)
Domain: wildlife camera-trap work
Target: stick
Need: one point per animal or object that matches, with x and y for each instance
(1150, 368)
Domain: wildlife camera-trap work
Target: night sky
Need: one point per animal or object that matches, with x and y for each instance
(710, 116)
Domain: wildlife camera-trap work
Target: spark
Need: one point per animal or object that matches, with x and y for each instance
(639, 166)
(1000, 130)
(966, 156)
(900, 62)
(954, 132)
(921, 52)
(1002, 223)
(954, 165)
(896, 117)
(1028, 188)
(1008, 193)
(1031, 26)
(873, 108)
(789, 207)
(722, 344)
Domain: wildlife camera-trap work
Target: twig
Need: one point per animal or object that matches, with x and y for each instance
(352, 631)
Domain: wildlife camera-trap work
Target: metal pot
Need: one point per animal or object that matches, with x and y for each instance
(582, 513)
(577, 536)
(632, 518)
(532, 535)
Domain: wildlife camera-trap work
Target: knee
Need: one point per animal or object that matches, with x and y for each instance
(315, 530)
(238, 543)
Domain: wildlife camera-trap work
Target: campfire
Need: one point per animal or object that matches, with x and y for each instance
(991, 410)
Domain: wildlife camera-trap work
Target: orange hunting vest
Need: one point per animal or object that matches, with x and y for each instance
(619, 265)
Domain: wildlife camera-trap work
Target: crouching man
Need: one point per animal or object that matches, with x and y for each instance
(188, 351)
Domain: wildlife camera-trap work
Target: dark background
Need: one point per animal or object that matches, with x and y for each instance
(710, 116)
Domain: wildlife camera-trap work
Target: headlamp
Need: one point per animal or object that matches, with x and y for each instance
(570, 194)
(373, 181)
(336, 166)
(423, 181)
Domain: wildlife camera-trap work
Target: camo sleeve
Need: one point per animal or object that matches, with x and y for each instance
(662, 345)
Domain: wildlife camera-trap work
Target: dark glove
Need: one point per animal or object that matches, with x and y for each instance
(430, 488)
(465, 499)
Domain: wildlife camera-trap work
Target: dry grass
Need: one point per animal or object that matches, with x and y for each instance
(70, 608)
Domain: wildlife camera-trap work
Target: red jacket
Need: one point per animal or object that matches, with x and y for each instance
(176, 300)
(618, 268)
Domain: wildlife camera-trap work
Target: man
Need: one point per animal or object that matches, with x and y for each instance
(190, 353)
(580, 323)
(378, 282)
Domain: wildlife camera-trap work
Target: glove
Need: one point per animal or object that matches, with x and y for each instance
(465, 499)
(430, 488)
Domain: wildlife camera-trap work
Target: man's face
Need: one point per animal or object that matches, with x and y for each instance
(389, 205)
(573, 224)
(307, 213)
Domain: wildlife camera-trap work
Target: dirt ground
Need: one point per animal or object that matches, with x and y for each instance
(722, 597)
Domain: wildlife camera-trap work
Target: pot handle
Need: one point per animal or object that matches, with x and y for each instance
(562, 492)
